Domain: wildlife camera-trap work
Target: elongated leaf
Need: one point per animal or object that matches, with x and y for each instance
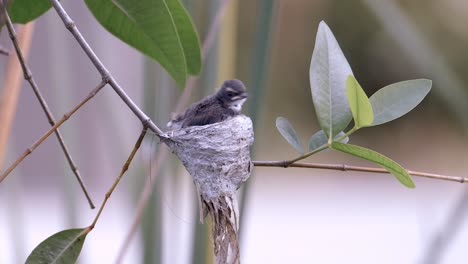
(328, 72)
(391, 166)
(62, 247)
(287, 131)
(395, 100)
(319, 139)
(188, 36)
(24, 11)
(155, 28)
(359, 103)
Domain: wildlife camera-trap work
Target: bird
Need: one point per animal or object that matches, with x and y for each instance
(224, 104)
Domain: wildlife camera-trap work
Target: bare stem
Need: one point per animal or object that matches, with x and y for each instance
(50, 131)
(344, 167)
(29, 77)
(11, 89)
(105, 74)
(122, 172)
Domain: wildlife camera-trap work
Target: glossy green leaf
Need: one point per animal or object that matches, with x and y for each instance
(161, 29)
(287, 131)
(328, 72)
(62, 247)
(360, 106)
(391, 166)
(319, 139)
(24, 11)
(395, 100)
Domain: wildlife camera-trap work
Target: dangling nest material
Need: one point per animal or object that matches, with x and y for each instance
(218, 158)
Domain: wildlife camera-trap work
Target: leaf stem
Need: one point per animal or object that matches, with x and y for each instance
(287, 163)
(351, 131)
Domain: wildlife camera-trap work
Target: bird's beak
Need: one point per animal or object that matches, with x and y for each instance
(243, 95)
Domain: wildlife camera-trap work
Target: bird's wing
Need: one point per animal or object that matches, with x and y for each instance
(206, 112)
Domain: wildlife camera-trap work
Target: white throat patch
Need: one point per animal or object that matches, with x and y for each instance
(237, 105)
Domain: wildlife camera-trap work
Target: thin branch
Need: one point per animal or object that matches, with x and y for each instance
(122, 172)
(29, 77)
(163, 154)
(344, 167)
(11, 89)
(50, 131)
(105, 74)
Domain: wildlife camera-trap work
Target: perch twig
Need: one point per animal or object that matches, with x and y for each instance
(344, 167)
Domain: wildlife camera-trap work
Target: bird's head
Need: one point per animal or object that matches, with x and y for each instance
(232, 94)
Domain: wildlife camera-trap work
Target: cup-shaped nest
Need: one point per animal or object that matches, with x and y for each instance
(217, 156)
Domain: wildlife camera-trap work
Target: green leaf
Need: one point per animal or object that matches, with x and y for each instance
(319, 139)
(288, 132)
(160, 29)
(24, 11)
(397, 99)
(62, 247)
(188, 36)
(328, 72)
(391, 166)
(359, 103)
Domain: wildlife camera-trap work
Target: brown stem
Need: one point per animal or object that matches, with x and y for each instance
(344, 167)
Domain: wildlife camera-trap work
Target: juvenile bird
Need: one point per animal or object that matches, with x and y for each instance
(224, 104)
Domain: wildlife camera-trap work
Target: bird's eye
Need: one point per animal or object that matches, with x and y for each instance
(230, 94)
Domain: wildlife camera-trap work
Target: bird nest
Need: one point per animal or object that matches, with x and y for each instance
(217, 156)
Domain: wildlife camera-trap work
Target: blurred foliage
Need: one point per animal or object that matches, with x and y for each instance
(24, 11)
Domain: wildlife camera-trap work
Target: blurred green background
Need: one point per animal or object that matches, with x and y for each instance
(288, 215)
